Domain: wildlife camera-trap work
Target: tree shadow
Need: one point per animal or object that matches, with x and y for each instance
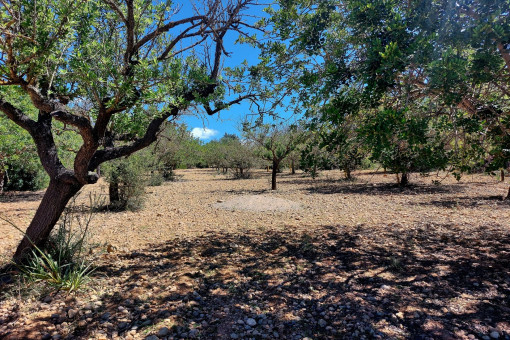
(333, 282)
(495, 201)
(21, 196)
(383, 189)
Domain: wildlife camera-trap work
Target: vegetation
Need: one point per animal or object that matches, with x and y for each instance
(275, 143)
(126, 182)
(109, 72)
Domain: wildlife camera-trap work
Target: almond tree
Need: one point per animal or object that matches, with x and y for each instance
(276, 143)
(110, 71)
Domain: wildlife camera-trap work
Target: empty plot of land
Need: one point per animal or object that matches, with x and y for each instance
(210, 257)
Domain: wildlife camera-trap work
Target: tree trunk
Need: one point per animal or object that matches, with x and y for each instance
(347, 173)
(49, 211)
(292, 167)
(502, 175)
(113, 192)
(404, 179)
(273, 175)
(507, 198)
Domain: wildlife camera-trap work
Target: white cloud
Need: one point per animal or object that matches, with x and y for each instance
(203, 133)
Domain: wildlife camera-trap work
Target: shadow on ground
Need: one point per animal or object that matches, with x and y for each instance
(391, 282)
(20, 196)
(384, 189)
(469, 202)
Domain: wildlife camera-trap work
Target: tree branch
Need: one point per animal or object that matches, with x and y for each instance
(150, 136)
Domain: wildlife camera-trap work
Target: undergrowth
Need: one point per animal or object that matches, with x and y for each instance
(64, 262)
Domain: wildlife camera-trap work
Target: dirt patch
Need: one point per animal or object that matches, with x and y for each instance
(258, 203)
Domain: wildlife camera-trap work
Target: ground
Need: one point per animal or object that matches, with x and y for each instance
(330, 259)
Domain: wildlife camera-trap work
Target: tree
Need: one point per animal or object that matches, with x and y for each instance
(404, 143)
(452, 55)
(176, 147)
(275, 143)
(109, 71)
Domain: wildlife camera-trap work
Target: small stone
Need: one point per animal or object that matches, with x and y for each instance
(494, 335)
(234, 336)
(123, 325)
(46, 336)
(251, 322)
(72, 313)
(163, 332)
(152, 337)
(193, 333)
(47, 299)
(106, 316)
(322, 323)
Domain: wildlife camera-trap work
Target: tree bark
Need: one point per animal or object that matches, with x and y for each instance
(113, 192)
(347, 173)
(404, 179)
(49, 211)
(502, 175)
(292, 167)
(273, 175)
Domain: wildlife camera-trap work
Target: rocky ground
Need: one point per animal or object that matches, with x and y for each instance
(330, 260)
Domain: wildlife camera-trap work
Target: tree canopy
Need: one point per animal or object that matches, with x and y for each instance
(112, 72)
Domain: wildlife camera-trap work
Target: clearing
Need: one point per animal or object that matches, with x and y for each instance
(214, 258)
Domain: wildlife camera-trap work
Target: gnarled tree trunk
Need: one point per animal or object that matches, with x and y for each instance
(50, 209)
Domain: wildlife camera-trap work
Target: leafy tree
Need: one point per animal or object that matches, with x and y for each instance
(452, 55)
(176, 147)
(404, 143)
(108, 71)
(275, 143)
(231, 153)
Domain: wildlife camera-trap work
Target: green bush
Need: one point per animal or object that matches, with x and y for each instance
(126, 182)
(156, 179)
(63, 262)
(25, 176)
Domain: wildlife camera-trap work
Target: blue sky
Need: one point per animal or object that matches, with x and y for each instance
(227, 121)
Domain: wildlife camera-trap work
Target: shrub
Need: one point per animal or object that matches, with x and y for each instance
(156, 179)
(25, 175)
(62, 263)
(126, 183)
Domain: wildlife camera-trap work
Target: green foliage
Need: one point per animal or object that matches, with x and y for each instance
(18, 157)
(25, 174)
(231, 154)
(404, 142)
(275, 142)
(176, 148)
(63, 263)
(126, 179)
(450, 58)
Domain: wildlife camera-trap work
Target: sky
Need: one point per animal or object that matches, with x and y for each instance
(208, 128)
